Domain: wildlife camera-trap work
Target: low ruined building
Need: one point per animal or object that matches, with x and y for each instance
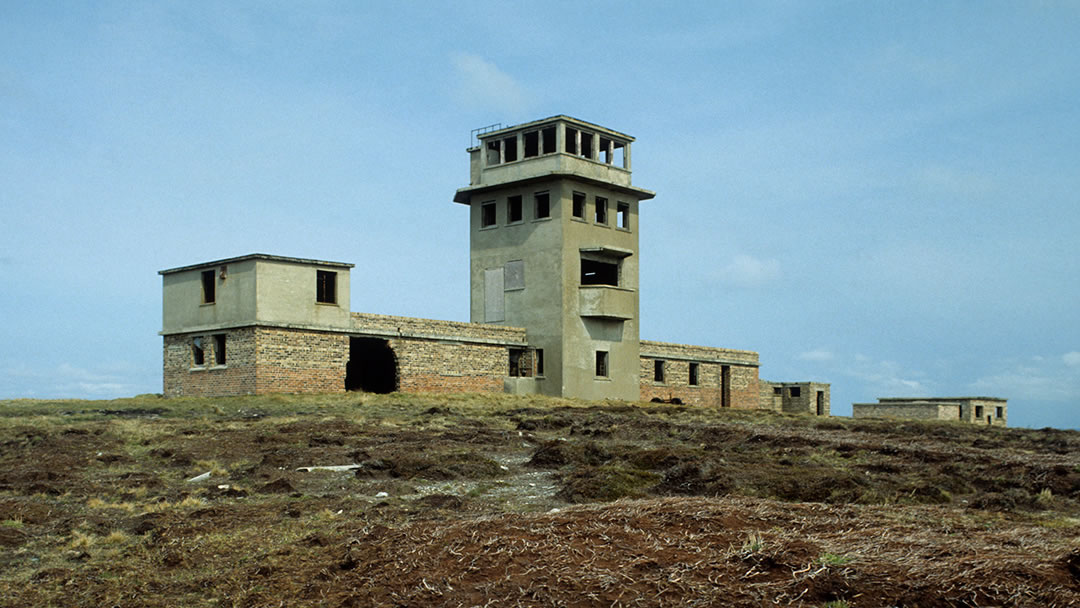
(991, 411)
(554, 295)
(795, 397)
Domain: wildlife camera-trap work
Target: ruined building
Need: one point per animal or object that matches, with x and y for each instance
(554, 294)
(991, 411)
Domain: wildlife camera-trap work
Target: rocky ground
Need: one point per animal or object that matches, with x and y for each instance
(404, 500)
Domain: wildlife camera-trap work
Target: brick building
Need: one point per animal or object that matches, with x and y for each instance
(554, 300)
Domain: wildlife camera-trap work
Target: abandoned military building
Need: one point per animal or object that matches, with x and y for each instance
(553, 237)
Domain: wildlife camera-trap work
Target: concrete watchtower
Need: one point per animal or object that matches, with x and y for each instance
(554, 249)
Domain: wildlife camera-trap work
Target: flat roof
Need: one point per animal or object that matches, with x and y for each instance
(259, 256)
(556, 118)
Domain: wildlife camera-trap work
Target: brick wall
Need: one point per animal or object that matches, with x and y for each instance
(391, 326)
(300, 361)
(182, 377)
(742, 366)
(431, 366)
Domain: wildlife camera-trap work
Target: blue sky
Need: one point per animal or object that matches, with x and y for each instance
(880, 195)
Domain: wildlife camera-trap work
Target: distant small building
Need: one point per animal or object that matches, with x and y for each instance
(992, 411)
(795, 397)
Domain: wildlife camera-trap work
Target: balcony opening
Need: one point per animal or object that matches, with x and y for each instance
(547, 140)
(532, 144)
(571, 145)
(510, 151)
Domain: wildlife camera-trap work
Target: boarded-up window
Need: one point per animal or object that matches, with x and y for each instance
(494, 308)
(514, 275)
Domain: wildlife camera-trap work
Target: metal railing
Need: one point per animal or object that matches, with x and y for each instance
(474, 135)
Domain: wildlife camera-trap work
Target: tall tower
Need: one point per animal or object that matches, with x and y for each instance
(554, 248)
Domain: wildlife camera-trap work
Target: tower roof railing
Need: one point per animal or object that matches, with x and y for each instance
(474, 135)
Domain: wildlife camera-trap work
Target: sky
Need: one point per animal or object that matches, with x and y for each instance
(878, 195)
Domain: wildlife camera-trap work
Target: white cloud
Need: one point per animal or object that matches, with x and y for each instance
(481, 84)
(817, 355)
(748, 271)
(1072, 358)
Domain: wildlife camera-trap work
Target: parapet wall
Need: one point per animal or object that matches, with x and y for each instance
(387, 326)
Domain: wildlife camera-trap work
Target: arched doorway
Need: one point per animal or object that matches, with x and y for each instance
(372, 366)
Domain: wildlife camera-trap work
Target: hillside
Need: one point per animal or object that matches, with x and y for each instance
(496, 500)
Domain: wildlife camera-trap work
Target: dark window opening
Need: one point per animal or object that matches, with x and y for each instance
(795, 391)
(960, 411)
(543, 205)
(547, 140)
(999, 411)
(693, 371)
(622, 215)
(521, 364)
(725, 386)
(513, 205)
(595, 272)
(579, 205)
(219, 349)
(539, 362)
(493, 148)
(198, 355)
(510, 149)
(571, 141)
(487, 215)
(821, 403)
(602, 363)
(658, 371)
(326, 287)
(776, 390)
(372, 366)
(586, 144)
(606, 150)
(978, 411)
(532, 144)
(209, 283)
(601, 210)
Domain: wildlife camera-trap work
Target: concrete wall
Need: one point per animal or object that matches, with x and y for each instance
(742, 375)
(258, 287)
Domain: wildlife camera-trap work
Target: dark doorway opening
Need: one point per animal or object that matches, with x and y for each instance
(372, 366)
(821, 403)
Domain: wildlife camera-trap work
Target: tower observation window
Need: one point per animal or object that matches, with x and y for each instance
(596, 272)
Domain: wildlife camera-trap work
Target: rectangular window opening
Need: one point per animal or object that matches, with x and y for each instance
(198, 355)
(602, 364)
(999, 411)
(326, 287)
(514, 211)
(542, 205)
(776, 390)
(978, 411)
(547, 140)
(494, 156)
(579, 205)
(487, 214)
(219, 349)
(622, 215)
(510, 149)
(606, 150)
(693, 371)
(795, 391)
(539, 362)
(571, 141)
(658, 370)
(586, 145)
(601, 210)
(596, 272)
(532, 144)
(209, 284)
(520, 363)
(619, 155)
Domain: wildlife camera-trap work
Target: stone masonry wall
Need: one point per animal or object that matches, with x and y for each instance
(237, 377)
(300, 361)
(743, 374)
(432, 366)
(917, 411)
(391, 326)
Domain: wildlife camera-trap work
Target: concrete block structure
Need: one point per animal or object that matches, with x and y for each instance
(795, 397)
(990, 411)
(554, 292)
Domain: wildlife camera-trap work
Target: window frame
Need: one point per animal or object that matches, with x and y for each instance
(693, 373)
(600, 216)
(545, 196)
(219, 350)
(494, 212)
(515, 202)
(325, 287)
(659, 371)
(603, 364)
(208, 279)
